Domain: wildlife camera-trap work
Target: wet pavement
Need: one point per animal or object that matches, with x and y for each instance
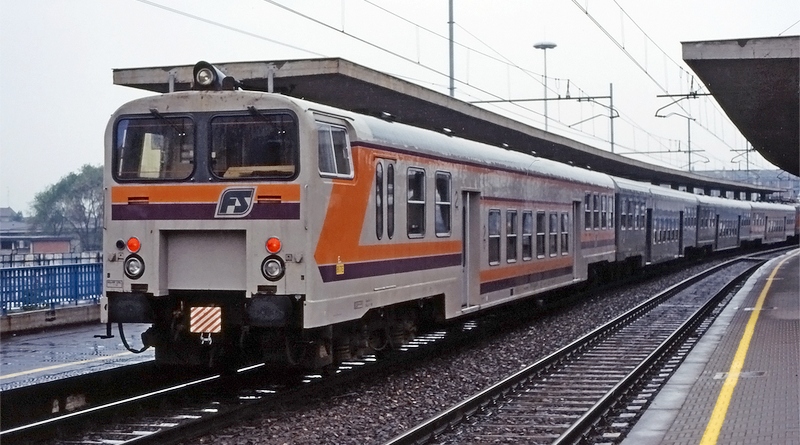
(57, 353)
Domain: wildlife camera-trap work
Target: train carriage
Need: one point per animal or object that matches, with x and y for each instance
(673, 228)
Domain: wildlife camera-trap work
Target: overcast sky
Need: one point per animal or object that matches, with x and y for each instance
(56, 61)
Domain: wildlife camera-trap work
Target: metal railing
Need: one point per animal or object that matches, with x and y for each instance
(42, 286)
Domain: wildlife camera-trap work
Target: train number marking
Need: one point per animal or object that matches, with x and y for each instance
(235, 202)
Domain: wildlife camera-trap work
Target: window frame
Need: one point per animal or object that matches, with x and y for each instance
(439, 205)
(116, 155)
(541, 234)
(347, 149)
(493, 238)
(527, 235)
(410, 203)
(511, 235)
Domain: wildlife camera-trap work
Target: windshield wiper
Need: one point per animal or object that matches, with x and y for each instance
(158, 115)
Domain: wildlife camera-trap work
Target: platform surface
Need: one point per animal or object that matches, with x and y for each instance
(741, 383)
(59, 352)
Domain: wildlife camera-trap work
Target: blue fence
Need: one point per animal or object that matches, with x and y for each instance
(24, 287)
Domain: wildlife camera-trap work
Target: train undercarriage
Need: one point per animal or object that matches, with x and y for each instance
(254, 331)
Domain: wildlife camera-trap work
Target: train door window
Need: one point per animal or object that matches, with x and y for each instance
(334, 151)
(565, 234)
(631, 219)
(390, 200)
(623, 214)
(587, 212)
(494, 237)
(416, 203)
(610, 212)
(379, 200)
(642, 213)
(540, 238)
(603, 212)
(553, 234)
(443, 206)
(527, 235)
(511, 236)
(596, 205)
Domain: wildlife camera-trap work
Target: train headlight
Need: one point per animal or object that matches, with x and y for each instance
(133, 267)
(273, 268)
(205, 77)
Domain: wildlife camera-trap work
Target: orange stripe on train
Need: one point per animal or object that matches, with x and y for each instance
(185, 193)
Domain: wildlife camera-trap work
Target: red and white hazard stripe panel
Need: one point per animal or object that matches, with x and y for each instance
(205, 319)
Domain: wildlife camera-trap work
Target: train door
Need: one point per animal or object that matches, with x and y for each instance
(716, 232)
(680, 233)
(648, 237)
(577, 267)
(470, 248)
(384, 198)
(739, 231)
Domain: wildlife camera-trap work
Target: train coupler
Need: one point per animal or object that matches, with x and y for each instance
(205, 338)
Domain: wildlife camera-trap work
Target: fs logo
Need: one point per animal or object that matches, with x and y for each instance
(235, 202)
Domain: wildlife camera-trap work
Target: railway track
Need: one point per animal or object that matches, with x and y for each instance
(591, 390)
(172, 414)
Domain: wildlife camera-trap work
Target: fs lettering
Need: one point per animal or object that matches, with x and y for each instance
(235, 202)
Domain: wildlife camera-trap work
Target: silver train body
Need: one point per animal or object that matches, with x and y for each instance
(248, 226)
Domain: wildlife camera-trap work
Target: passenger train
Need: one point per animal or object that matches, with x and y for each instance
(247, 226)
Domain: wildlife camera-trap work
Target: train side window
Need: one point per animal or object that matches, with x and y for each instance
(442, 204)
(416, 203)
(494, 237)
(596, 222)
(379, 200)
(587, 212)
(565, 234)
(553, 234)
(334, 151)
(540, 239)
(511, 236)
(390, 201)
(527, 235)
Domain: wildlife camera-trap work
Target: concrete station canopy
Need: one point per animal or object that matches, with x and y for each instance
(757, 83)
(343, 84)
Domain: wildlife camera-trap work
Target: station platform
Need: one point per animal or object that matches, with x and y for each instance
(740, 384)
(56, 352)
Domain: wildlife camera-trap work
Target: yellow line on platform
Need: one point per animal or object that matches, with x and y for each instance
(63, 365)
(714, 426)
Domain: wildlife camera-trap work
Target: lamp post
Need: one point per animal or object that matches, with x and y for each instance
(544, 46)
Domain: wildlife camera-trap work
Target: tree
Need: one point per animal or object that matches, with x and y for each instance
(73, 205)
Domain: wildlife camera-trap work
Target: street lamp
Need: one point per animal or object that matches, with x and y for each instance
(544, 46)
